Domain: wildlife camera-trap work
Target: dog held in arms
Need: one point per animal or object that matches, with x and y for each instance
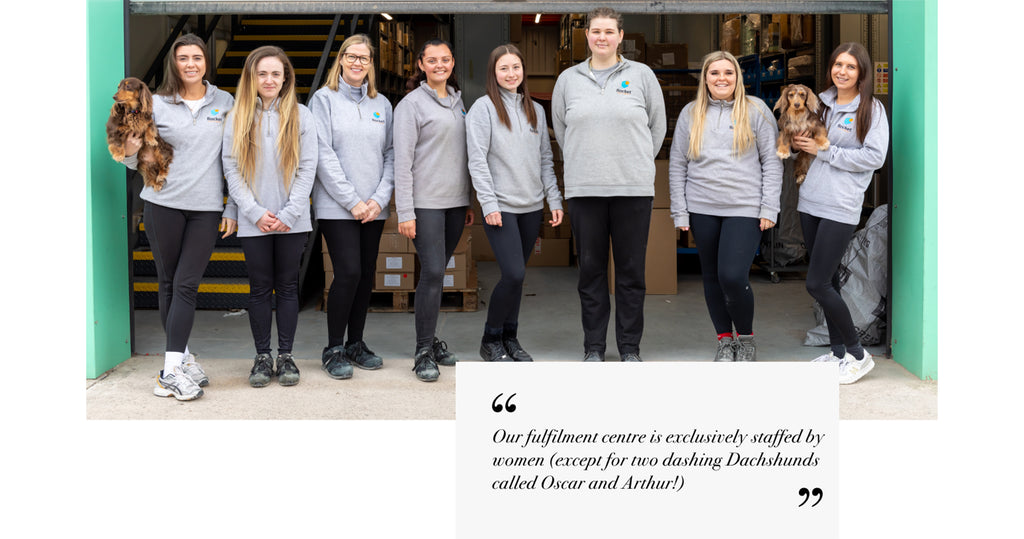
(132, 114)
(799, 115)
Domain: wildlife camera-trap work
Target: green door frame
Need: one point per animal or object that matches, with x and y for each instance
(914, 326)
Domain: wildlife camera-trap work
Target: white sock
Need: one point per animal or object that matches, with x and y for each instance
(186, 352)
(172, 360)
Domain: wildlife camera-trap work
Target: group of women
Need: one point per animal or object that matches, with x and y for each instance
(350, 152)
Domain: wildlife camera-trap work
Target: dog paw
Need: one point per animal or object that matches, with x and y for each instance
(782, 154)
(823, 147)
(800, 179)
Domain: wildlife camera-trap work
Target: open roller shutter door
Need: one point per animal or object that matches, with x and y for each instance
(182, 7)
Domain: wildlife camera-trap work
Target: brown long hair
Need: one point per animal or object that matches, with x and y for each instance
(245, 145)
(419, 76)
(494, 90)
(335, 72)
(172, 83)
(865, 84)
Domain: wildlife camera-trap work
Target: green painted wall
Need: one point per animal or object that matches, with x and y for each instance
(915, 181)
(108, 316)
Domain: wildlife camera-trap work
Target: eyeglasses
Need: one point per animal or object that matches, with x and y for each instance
(352, 58)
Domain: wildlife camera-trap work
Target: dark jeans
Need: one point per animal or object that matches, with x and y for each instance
(182, 242)
(273, 263)
(826, 242)
(512, 244)
(626, 220)
(726, 247)
(437, 235)
(353, 248)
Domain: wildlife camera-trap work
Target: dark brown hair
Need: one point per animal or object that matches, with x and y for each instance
(605, 13)
(419, 76)
(494, 89)
(865, 84)
(172, 83)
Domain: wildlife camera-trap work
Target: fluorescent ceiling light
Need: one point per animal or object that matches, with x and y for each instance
(536, 19)
(386, 16)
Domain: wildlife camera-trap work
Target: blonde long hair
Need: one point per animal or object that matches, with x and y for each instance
(335, 73)
(743, 135)
(245, 145)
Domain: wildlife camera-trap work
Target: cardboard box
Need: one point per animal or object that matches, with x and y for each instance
(660, 273)
(327, 261)
(667, 56)
(662, 198)
(580, 48)
(396, 262)
(464, 241)
(395, 243)
(729, 36)
(394, 281)
(454, 280)
(458, 261)
(550, 252)
(328, 279)
(391, 223)
(482, 248)
(634, 47)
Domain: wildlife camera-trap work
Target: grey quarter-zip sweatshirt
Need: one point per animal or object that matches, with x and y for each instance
(357, 159)
(267, 192)
(835, 183)
(512, 169)
(609, 134)
(195, 180)
(431, 168)
(719, 182)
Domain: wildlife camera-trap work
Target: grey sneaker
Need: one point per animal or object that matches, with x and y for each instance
(191, 367)
(425, 367)
(441, 354)
(631, 356)
(287, 373)
(262, 370)
(745, 349)
(726, 350)
(335, 363)
(515, 350)
(359, 355)
(593, 355)
(177, 384)
(493, 351)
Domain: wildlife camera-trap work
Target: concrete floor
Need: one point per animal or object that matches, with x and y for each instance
(676, 328)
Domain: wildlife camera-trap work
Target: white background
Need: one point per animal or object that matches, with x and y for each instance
(62, 474)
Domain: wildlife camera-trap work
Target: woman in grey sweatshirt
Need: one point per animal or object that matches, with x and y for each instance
(354, 182)
(183, 218)
(431, 188)
(609, 118)
(270, 155)
(725, 182)
(832, 195)
(512, 169)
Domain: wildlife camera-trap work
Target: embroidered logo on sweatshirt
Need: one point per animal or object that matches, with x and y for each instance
(846, 124)
(215, 116)
(377, 118)
(463, 112)
(623, 90)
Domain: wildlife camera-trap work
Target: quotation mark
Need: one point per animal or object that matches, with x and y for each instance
(807, 495)
(496, 406)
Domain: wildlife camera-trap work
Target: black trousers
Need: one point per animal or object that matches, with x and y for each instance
(273, 263)
(512, 244)
(182, 242)
(437, 234)
(626, 220)
(826, 242)
(353, 248)
(726, 247)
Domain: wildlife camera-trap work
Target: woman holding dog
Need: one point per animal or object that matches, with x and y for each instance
(270, 155)
(182, 219)
(355, 179)
(832, 195)
(725, 183)
(608, 114)
(511, 164)
(431, 188)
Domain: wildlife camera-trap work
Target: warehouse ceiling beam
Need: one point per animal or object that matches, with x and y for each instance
(181, 7)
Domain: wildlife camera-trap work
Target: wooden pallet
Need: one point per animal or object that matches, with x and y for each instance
(391, 301)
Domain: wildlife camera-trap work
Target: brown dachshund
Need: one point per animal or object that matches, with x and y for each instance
(132, 114)
(799, 114)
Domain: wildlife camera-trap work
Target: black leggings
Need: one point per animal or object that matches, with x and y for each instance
(512, 244)
(182, 242)
(726, 247)
(353, 248)
(437, 234)
(273, 262)
(826, 242)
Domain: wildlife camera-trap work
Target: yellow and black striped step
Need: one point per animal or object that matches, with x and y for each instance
(217, 293)
(224, 262)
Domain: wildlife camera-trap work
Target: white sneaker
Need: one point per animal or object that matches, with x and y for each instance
(177, 384)
(826, 358)
(191, 367)
(851, 370)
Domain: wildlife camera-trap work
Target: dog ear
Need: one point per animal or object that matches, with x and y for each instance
(783, 102)
(812, 101)
(145, 98)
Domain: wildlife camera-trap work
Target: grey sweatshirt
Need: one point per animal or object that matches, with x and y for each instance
(268, 192)
(195, 180)
(719, 182)
(835, 184)
(357, 160)
(609, 134)
(430, 152)
(512, 169)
